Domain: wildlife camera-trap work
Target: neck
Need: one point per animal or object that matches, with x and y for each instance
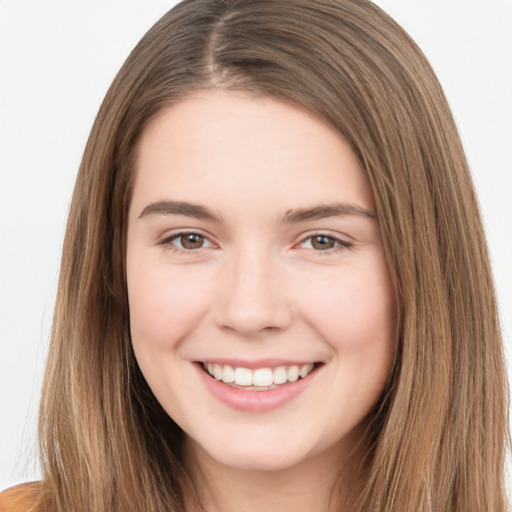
(317, 484)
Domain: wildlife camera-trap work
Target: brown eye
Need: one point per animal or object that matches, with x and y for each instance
(186, 242)
(325, 243)
(191, 241)
(322, 242)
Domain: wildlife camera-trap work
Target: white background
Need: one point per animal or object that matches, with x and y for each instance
(57, 59)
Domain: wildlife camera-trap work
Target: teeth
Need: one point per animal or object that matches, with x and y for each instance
(293, 373)
(217, 371)
(280, 375)
(305, 369)
(228, 374)
(260, 379)
(243, 377)
(263, 377)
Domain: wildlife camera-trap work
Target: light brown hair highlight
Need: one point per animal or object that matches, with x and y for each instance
(437, 435)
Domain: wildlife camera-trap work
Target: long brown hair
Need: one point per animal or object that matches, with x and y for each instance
(438, 434)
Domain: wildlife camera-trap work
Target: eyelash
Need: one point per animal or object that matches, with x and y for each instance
(168, 241)
(340, 245)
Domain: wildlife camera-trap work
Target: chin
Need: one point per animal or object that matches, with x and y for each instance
(259, 455)
(259, 461)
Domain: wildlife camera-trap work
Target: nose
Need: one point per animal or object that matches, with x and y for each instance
(252, 297)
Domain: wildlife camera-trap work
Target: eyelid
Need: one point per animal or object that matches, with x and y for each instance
(167, 240)
(341, 243)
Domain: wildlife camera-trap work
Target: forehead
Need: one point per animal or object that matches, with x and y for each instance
(238, 146)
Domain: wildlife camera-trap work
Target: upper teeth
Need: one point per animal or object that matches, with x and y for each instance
(260, 377)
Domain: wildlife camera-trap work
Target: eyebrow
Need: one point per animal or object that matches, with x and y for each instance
(180, 208)
(290, 217)
(326, 210)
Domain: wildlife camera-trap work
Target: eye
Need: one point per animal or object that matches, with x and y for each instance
(187, 241)
(322, 242)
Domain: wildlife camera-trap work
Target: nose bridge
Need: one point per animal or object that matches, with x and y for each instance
(253, 298)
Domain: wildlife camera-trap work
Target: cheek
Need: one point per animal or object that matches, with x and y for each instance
(355, 311)
(163, 304)
(355, 314)
(164, 307)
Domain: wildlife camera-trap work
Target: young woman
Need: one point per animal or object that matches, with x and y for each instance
(275, 292)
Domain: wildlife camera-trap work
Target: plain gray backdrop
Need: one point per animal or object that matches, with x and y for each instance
(57, 59)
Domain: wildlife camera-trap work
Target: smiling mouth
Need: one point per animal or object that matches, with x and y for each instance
(261, 379)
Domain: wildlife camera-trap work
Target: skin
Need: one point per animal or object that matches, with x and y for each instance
(256, 287)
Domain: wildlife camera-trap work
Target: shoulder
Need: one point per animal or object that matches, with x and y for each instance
(20, 498)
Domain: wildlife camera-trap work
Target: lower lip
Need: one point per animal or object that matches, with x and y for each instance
(255, 401)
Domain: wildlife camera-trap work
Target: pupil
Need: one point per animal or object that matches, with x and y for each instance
(322, 242)
(192, 241)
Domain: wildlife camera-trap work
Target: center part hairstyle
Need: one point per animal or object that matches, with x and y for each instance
(438, 433)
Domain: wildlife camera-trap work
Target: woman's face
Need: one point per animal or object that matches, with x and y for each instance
(261, 309)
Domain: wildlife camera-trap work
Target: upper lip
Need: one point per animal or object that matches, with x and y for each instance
(257, 363)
